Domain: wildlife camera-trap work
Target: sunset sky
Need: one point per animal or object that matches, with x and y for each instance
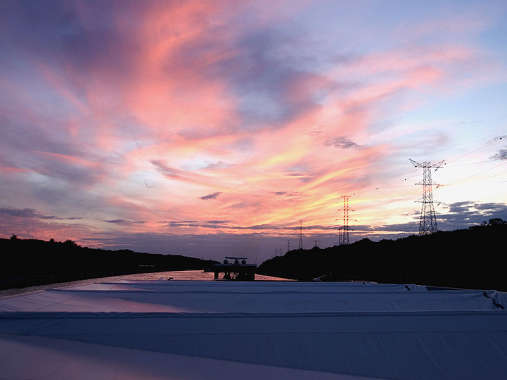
(208, 128)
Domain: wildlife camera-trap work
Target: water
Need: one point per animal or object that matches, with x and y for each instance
(193, 275)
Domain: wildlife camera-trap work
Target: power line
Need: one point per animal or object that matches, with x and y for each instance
(427, 219)
(475, 174)
(457, 161)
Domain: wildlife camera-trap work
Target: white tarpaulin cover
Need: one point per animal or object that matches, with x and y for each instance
(155, 329)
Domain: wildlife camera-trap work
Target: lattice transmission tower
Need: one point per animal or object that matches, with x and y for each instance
(344, 236)
(428, 218)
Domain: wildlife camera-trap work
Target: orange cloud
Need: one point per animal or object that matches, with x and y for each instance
(191, 99)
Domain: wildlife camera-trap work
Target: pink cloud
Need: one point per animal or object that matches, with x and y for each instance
(157, 123)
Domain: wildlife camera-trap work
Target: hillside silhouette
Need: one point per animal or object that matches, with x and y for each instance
(36, 262)
(470, 258)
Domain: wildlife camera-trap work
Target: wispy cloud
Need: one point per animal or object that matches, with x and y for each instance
(133, 125)
(211, 196)
(124, 222)
(24, 213)
(342, 143)
(31, 213)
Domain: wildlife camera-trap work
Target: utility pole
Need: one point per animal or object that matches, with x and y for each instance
(288, 245)
(427, 219)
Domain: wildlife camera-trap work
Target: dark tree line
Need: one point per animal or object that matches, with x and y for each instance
(25, 262)
(471, 258)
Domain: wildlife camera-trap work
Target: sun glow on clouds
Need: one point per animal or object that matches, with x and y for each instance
(220, 117)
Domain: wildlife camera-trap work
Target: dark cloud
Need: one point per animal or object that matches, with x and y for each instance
(72, 36)
(271, 78)
(405, 228)
(211, 196)
(24, 213)
(288, 195)
(44, 147)
(214, 224)
(501, 155)
(19, 135)
(342, 143)
(177, 174)
(473, 212)
(459, 215)
(31, 213)
(460, 207)
(166, 170)
(74, 174)
(490, 207)
(185, 223)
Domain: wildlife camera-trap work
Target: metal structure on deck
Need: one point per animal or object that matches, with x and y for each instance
(233, 268)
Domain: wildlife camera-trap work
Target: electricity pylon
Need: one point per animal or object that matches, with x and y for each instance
(344, 237)
(427, 219)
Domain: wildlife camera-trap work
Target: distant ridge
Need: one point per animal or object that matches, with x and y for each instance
(37, 262)
(471, 258)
